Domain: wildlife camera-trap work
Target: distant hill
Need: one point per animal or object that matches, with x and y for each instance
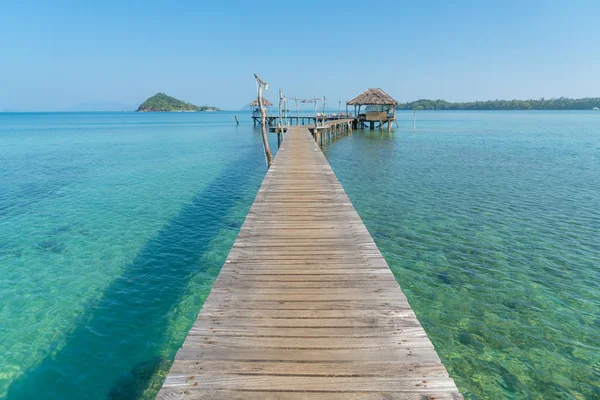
(561, 103)
(162, 102)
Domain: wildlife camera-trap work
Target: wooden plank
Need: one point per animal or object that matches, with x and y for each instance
(353, 304)
(301, 342)
(418, 355)
(228, 312)
(305, 306)
(346, 332)
(200, 394)
(362, 368)
(388, 322)
(310, 383)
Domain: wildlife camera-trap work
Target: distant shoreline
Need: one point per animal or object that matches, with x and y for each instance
(557, 104)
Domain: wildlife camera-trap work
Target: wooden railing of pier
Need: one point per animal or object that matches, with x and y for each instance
(305, 306)
(272, 120)
(331, 129)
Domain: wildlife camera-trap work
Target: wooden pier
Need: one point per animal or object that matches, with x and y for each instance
(305, 306)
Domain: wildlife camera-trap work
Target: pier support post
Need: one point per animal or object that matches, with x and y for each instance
(268, 154)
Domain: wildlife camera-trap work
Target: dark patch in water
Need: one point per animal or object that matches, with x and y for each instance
(45, 181)
(63, 229)
(234, 225)
(465, 338)
(510, 381)
(132, 384)
(513, 305)
(445, 278)
(52, 246)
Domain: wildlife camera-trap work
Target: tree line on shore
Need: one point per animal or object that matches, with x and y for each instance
(562, 103)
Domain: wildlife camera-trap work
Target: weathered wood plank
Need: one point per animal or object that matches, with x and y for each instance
(418, 355)
(394, 342)
(309, 383)
(228, 312)
(305, 306)
(359, 368)
(309, 322)
(200, 394)
(346, 332)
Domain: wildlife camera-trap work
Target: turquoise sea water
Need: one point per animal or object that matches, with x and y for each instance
(491, 223)
(113, 226)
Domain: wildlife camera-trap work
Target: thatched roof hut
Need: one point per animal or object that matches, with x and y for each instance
(266, 103)
(380, 107)
(373, 97)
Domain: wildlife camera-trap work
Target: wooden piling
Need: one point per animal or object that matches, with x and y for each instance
(263, 112)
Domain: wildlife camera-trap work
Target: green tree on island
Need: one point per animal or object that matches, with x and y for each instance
(162, 102)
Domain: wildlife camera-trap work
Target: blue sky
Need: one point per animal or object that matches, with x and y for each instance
(56, 54)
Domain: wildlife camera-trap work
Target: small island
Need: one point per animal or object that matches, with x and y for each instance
(161, 102)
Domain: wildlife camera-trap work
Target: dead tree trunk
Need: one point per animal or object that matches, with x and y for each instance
(263, 113)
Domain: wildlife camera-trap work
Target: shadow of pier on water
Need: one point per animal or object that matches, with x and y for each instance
(118, 343)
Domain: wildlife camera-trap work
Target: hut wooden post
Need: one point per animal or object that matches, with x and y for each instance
(268, 154)
(285, 106)
(280, 123)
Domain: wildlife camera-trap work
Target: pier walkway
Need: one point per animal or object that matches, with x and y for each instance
(305, 306)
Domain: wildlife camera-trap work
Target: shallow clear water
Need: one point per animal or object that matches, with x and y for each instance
(113, 227)
(491, 223)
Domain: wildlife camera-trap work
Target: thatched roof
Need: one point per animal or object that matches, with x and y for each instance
(372, 97)
(266, 103)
